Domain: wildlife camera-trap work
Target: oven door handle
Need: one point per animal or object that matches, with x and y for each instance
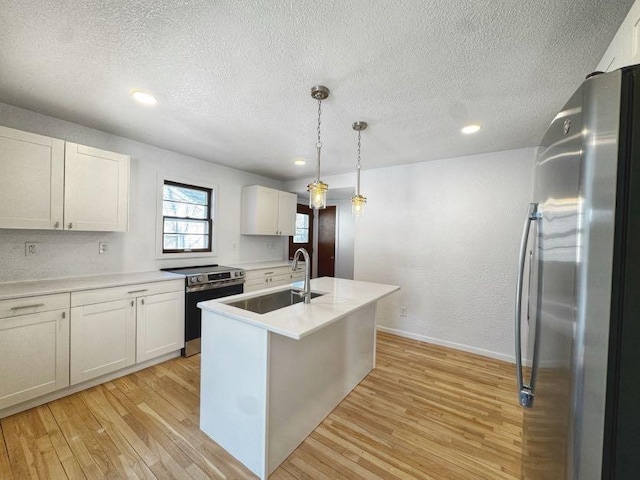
(208, 286)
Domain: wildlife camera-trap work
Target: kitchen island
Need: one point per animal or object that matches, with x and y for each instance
(267, 380)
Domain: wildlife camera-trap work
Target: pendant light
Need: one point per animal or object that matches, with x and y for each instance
(358, 201)
(318, 189)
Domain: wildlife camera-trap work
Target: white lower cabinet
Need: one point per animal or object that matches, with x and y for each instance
(103, 338)
(34, 344)
(160, 324)
(112, 328)
(49, 342)
(272, 277)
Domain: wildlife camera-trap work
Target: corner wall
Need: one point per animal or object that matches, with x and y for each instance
(448, 233)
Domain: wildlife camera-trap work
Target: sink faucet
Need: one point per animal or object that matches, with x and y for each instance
(306, 293)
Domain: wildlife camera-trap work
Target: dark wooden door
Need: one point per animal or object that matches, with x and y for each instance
(304, 231)
(327, 242)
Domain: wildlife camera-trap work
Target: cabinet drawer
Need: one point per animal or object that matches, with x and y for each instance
(88, 297)
(279, 280)
(252, 275)
(27, 305)
(296, 277)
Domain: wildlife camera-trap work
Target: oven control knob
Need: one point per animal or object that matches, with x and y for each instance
(192, 280)
(201, 278)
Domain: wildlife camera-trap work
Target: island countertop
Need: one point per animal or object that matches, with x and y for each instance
(339, 298)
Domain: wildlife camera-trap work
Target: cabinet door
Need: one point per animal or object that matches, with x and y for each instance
(32, 179)
(103, 338)
(287, 213)
(612, 58)
(96, 193)
(632, 52)
(259, 210)
(160, 325)
(35, 355)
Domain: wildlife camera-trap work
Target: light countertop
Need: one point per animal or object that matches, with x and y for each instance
(261, 265)
(73, 284)
(341, 297)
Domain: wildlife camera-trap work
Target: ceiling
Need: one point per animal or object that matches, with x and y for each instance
(233, 77)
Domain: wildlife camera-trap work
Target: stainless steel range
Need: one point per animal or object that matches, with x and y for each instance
(202, 283)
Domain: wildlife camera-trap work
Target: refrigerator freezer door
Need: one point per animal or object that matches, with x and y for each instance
(551, 328)
(601, 113)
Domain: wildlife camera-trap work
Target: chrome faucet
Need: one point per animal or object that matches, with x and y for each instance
(306, 293)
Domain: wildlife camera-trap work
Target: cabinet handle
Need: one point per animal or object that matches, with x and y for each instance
(34, 305)
(268, 273)
(70, 226)
(142, 301)
(132, 303)
(56, 225)
(138, 291)
(64, 314)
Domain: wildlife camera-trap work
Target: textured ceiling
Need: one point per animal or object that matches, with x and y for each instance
(232, 77)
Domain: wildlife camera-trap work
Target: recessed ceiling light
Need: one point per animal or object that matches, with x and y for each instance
(143, 97)
(299, 161)
(469, 129)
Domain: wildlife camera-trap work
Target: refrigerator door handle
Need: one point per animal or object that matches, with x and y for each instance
(525, 392)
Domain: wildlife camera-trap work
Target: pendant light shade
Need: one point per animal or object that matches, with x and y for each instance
(318, 189)
(317, 194)
(358, 201)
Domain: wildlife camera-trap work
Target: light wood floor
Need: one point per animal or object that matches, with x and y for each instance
(425, 412)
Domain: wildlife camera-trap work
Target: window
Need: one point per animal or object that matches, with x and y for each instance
(302, 228)
(186, 218)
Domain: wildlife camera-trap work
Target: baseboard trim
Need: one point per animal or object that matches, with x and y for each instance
(445, 343)
(63, 392)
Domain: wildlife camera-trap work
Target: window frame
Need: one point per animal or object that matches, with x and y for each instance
(308, 229)
(212, 208)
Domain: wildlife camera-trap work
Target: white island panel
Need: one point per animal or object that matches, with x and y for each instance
(234, 388)
(309, 377)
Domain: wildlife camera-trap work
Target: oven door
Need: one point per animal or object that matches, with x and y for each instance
(193, 315)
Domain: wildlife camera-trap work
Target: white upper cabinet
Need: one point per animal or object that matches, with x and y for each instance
(624, 49)
(31, 180)
(266, 211)
(632, 53)
(288, 204)
(96, 193)
(612, 58)
(50, 184)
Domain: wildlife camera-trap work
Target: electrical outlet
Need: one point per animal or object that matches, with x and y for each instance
(30, 248)
(103, 247)
(403, 311)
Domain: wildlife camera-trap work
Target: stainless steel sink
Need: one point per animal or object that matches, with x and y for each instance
(272, 301)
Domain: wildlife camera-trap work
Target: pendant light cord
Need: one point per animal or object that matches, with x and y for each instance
(358, 167)
(319, 144)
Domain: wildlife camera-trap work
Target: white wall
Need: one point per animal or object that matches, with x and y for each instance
(345, 238)
(448, 232)
(63, 254)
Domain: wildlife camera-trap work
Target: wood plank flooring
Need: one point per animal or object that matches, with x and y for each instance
(425, 412)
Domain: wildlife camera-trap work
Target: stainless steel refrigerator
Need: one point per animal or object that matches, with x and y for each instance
(577, 319)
